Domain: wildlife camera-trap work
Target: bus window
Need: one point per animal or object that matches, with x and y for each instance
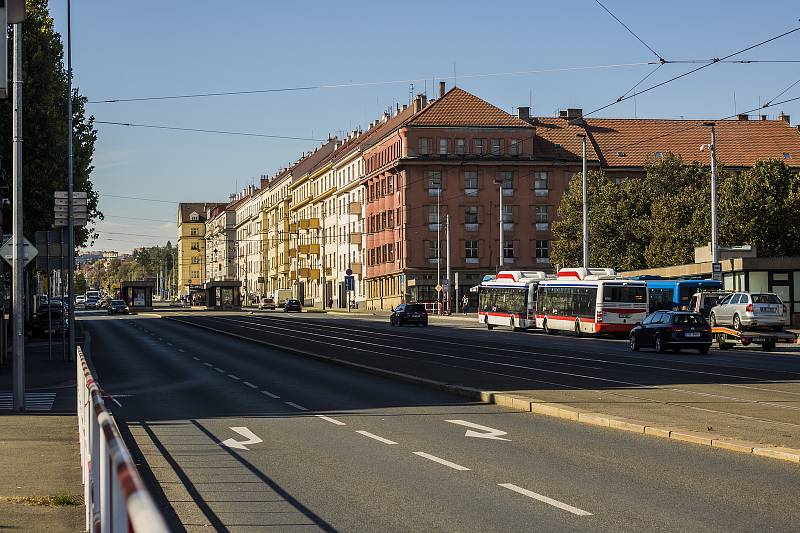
(661, 299)
(624, 294)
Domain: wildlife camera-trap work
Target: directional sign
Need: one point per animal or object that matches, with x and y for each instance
(29, 251)
(251, 437)
(349, 283)
(488, 433)
(76, 195)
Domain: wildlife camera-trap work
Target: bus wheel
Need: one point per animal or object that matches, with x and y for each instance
(546, 328)
(578, 332)
(513, 326)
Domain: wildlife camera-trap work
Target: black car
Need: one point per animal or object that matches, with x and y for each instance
(673, 330)
(116, 307)
(53, 320)
(292, 305)
(409, 314)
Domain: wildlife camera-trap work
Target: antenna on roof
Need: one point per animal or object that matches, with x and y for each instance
(410, 93)
(455, 76)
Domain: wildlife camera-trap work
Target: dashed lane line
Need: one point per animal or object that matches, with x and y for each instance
(296, 406)
(250, 384)
(195, 358)
(268, 393)
(209, 365)
(545, 499)
(331, 420)
(237, 378)
(441, 461)
(218, 369)
(375, 437)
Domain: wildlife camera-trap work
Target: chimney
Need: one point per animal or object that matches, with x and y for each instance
(418, 103)
(441, 89)
(524, 113)
(574, 112)
(784, 117)
(404, 107)
(763, 117)
(742, 116)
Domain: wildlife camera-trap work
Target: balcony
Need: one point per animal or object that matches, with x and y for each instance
(354, 208)
(355, 238)
(356, 268)
(307, 249)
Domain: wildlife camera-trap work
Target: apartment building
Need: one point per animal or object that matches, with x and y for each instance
(277, 237)
(191, 245)
(220, 237)
(251, 241)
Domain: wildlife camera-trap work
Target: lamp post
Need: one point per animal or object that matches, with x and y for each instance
(714, 227)
(582, 137)
(501, 262)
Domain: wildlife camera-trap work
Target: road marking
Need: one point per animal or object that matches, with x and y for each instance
(331, 420)
(491, 433)
(160, 339)
(376, 437)
(268, 393)
(441, 461)
(195, 358)
(170, 344)
(250, 385)
(237, 378)
(296, 406)
(209, 365)
(545, 499)
(218, 369)
(251, 437)
(181, 350)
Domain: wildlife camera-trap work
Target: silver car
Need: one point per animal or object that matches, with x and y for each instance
(748, 310)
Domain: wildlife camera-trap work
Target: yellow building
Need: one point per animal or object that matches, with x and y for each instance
(191, 245)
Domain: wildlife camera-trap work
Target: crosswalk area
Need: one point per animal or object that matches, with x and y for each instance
(34, 401)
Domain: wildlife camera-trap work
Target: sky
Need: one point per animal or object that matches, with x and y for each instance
(154, 48)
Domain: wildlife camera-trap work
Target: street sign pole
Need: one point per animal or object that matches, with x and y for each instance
(70, 199)
(17, 288)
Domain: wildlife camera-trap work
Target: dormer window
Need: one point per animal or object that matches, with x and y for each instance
(659, 155)
(194, 217)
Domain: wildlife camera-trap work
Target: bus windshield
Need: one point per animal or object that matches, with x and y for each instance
(624, 294)
(504, 300)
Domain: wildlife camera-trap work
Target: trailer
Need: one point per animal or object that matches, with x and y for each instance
(727, 338)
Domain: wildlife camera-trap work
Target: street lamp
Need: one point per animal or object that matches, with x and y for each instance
(582, 137)
(500, 183)
(714, 228)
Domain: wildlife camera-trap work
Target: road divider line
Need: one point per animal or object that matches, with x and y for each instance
(545, 499)
(209, 365)
(268, 393)
(375, 437)
(237, 378)
(331, 420)
(218, 369)
(441, 461)
(195, 358)
(296, 406)
(181, 350)
(250, 385)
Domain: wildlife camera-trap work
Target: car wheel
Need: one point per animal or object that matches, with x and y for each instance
(634, 344)
(713, 320)
(578, 332)
(660, 345)
(703, 349)
(737, 323)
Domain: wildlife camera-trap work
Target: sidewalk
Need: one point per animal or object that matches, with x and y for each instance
(40, 476)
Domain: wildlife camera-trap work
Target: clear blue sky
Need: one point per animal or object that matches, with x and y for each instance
(152, 48)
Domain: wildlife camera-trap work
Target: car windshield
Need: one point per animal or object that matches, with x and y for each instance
(415, 308)
(765, 298)
(117, 302)
(688, 320)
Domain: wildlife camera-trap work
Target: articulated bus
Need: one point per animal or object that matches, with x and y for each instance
(590, 301)
(674, 294)
(509, 299)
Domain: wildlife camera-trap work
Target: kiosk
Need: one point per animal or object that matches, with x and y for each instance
(223, 295)
(138, 294)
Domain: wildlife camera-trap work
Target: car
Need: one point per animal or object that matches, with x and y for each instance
(673, 330)
(409, 314)
(750, 310)
(52, 320)
(91, 303)
(80, 301)
(266, 303)
(292, 305)
(116, 307)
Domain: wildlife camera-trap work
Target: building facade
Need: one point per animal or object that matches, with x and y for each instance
(192, 246)
(220, 236)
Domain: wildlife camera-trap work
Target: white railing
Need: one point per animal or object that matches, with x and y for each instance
(115, 496)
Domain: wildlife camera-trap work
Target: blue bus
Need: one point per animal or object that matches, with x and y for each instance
(674, 294)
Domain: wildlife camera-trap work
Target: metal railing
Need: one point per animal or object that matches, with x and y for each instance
(115, 496)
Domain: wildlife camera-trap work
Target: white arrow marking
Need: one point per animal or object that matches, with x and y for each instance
(490, 433)
(251, 437)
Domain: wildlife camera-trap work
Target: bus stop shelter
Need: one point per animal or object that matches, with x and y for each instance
(223, 295)
(138, 294)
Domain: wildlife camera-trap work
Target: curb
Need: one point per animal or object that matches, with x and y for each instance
(531, 405)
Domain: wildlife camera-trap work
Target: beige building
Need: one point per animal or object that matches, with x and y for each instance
(191, 245)
(221, 244)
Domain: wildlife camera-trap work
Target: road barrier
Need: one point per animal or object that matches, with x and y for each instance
(115, 497)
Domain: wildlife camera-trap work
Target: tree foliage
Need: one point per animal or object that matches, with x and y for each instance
(44, 126)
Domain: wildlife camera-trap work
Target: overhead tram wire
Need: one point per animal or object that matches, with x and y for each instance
(692, 71)
(198, 130)
(659, 56)
(769, 102)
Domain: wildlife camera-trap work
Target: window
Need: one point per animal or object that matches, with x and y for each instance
(624, 294)
(433, 214)
(541, 214)
(543, 249)
(194, 217)
(390, 184)
(471, 249)
(508, 214)
(390, 219)
(424, 146)
(540, 183)
(195, 260)
(390, 252)
(193, 232)
(434, 181)
(497, 147)
(471, 214)
(478, 146)
(516, 147)
(506, 178)
(430, 247)
(461, 146)
(470, 182)
(508, 250)
(443, 145)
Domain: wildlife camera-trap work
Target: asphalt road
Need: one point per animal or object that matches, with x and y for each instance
(338, 449)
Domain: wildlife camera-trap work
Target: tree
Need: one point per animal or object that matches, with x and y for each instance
(80, 283)
(44, 128)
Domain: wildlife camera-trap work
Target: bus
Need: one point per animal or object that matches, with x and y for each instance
(590, 301)
(509, 299)
(674, 294)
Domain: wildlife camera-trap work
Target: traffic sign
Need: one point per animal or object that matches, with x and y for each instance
(29, 251)
(349, 283)
(716, 267)
(438, 288)
(349, 271)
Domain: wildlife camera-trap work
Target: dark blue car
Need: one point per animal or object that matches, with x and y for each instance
(292, 305)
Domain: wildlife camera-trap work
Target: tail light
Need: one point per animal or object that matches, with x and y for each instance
(598, 316)
(749, 308)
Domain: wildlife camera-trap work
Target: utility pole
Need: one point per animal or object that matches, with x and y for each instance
(439, 244)
(322, 270)
(17, 288)
(714, 226)
(447, 230)
(501, 262)
(582, 136)
(70, 195)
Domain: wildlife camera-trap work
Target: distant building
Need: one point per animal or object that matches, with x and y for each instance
(191, 245)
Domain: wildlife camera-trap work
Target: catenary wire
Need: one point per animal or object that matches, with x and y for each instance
(659, 56)
(199, 130)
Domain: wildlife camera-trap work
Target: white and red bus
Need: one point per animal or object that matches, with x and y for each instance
(509, 299)
(591, 301)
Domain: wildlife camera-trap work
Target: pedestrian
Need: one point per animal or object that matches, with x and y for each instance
(464, 303)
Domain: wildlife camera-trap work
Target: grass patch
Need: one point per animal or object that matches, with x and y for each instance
(60, 499)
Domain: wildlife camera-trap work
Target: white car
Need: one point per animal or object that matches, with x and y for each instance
(80, 301)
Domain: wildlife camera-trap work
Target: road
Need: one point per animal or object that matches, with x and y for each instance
(339, 449)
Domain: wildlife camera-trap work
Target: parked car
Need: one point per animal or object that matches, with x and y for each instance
(750, 310)
(409, 314)
(53, 320)
(116, 307)
(80, 302)
(266, 303)
(292, 305)
(674, 330)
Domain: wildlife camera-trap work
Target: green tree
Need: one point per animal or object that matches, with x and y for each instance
(44, 127)
(80, 283)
